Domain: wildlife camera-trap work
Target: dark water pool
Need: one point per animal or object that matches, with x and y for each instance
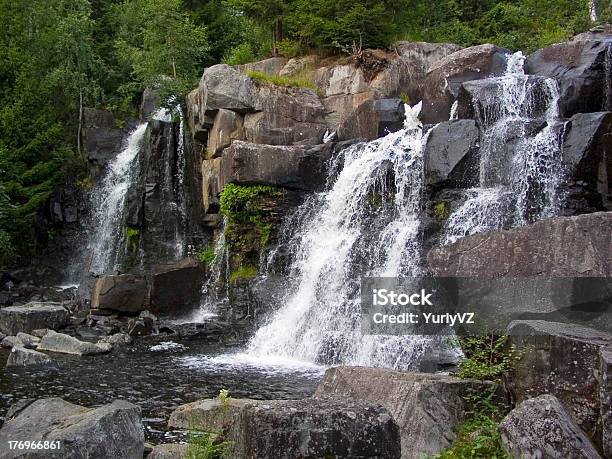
(157, 381)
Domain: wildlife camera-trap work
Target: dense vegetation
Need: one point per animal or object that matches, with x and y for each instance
(57, 56)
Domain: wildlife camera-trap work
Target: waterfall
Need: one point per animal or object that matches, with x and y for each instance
(366, 224)
(108, 203)
(593, 11)
(520, 172)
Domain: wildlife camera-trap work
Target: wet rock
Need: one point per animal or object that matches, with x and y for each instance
(222, 86)
(209, 415)
(15, 319)
(563, 247)
(450, 154)
(169, 451)
(445, 77)
(118, 339)
(9, 342)
(271, 66)
(140, 327)
(586, 156)
(562, 360)
(210, 330)
(111, 431)
(211, 187)
(293, 167)
(426, 407)
(20, 357)
(373, 119)
(29, 341)
(176, 287)
(605, 397)
(540, 427)
(579, 68)
(227, 127)
(124, 293)
(65, 344)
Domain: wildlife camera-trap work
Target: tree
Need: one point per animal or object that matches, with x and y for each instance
(269, 13)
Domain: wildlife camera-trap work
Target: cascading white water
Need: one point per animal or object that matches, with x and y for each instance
(108, 202)
(520, 172)
(362, 226)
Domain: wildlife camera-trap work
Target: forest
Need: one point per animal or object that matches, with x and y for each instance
(58, 56)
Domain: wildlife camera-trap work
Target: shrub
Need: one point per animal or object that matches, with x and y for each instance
(206, 256)
(486, 357)
(239, 55)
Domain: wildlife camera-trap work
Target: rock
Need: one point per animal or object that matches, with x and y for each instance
(450, 154)
(426, 407)
(341, 106)
(65, 344)
(271, 66)
(298, 65)
(198, 126)
(169, 451)
(605, 397)
(556, 247)
(562, 360)
(118, 339)
(176, 286)
(20, 357)
(140, 327)
(208, 415)
(373, 119)
(15, 319)
(341, 78)
(148, 315)
(2, 336)
(39, 332)
(292, 167)
(111, 431)
(211, 186)
(579, 68)
(150, 103)
(9, 342)
(226, 128)
(326, 427)
(209, 330)
(540, 427)
(445, 77)
(123, 293)
(222, 86)
(586, 157)
(29, 341)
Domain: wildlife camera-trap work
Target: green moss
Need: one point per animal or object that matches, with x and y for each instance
(441, 211)
(206, 256)
(245, 203)
(132, 235)
(404, 98)
(290, 82)
(243, 272)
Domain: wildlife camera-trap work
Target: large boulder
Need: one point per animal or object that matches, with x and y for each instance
(112, 431)
(340, 78)
(293, 167)
(450, 153)
(209, 415)
(445, 77)
(562, 247)
(222, 86)
(66, 344)
(227, 127)
(372, 119)
(176, 287)
(211, 184)
(15, 319)
(540, 427)
(198, 121)
(579, 67)
(29, 341)
(427, 407)
(169, 451)
(562, 360)
(20, 357)
(587, 157)
(122, 293)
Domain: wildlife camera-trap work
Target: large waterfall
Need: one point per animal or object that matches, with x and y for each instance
(366, 224)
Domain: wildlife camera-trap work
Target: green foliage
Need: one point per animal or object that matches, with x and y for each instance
(486, 357)
(207, 445)
(240, 54)
(441, 211)
(132, 235)
(243, 272)
(290, 82)
(289, 48)
(206, 256)
(243, 203)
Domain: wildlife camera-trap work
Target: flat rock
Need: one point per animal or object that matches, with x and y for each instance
(65, 344)
(540, 427)
(20, 357)
(15, 319)
(29, 341)
(112, 431)
(124, 293)
(9, 342)
(208, 415)
(169, 451)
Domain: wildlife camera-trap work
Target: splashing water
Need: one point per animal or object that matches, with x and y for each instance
(366, 224)
(520, 172)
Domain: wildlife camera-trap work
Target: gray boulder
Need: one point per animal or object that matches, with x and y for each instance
(20, 357)
(579, 68)
(29, 341)
(227, 127)
(557, 247)
(450, 153)
(199, 122)
(112, 431)
(271, 66)
(15, 319)
(118, 339)
(372, 119)
(123, 293)
(211, 186)
(169, 451)
(9, 342)
(208, 415)
(222, 86)
(176, 287)
(446, 76)
(541, 428)
(562, 360)
(426, 407)
(293, 167)
(65, 344)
